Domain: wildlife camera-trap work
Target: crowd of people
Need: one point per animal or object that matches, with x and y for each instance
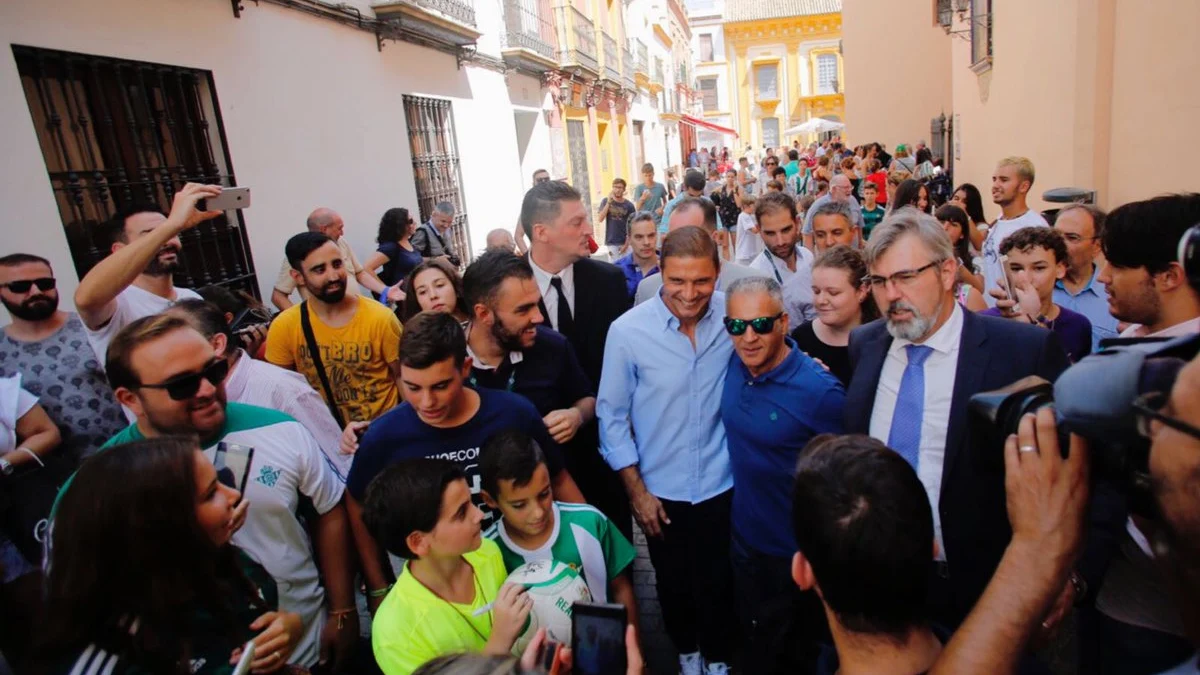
(766, 371)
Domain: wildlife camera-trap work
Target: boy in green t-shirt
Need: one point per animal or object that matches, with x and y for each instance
(451, 596)
(516, 483)
(872, 212)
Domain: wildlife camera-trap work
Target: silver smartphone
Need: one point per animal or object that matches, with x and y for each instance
(230, 198)
(243, 664)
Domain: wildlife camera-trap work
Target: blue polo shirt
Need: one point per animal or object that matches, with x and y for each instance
(768, 421)
(1092, 302)
(633, 273)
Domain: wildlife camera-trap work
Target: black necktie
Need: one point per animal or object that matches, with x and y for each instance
(566, 322)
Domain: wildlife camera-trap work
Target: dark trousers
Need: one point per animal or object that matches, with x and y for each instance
(600, 485)
(694, 578)
(781, 626)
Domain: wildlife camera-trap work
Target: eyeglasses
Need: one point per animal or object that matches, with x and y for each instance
(901, 278)
(23, 286)
(1075, 238)
(183, 387)
(1146, 410)
(762, 325)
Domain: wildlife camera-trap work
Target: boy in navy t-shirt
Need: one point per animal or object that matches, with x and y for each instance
(440, 418)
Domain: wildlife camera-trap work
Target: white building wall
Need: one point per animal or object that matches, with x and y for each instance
(312, 111)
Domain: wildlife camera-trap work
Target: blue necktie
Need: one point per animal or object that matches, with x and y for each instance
(905, 434)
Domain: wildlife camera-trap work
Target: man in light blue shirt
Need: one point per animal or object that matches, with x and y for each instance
(660, 428)
(1080, 291)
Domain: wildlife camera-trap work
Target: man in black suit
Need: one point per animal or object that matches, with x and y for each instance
(581, 297)
(914, 372)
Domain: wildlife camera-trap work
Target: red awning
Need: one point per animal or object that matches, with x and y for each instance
(697, 122)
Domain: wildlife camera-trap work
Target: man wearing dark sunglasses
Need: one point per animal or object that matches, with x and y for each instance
(136, 280)
(168, 373)
(48, 348)
(775, 399)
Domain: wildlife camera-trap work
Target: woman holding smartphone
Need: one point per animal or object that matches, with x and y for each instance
(143, 578)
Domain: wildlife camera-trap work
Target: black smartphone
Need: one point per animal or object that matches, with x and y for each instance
(232, 462)
(598, 639)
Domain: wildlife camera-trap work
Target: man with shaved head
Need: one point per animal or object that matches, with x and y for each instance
(501, 239)
(839, 191)
(329, 223)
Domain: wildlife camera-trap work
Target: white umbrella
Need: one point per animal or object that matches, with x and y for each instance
(815, 125)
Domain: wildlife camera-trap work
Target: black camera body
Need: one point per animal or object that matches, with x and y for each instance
(1092, 399)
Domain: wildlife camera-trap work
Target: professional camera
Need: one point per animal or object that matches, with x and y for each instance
(1094, 399)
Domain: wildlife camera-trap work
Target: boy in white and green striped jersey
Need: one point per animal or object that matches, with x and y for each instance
(516, 483)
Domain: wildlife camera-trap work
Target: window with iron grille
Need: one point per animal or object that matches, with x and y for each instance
(770, 130)
(706, 47)
(431, 137)
(708, 90)
(766, 82)
(827, 74)
(981, 32)
(116, 133)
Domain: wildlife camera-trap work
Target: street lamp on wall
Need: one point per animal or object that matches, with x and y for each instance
(564, 92)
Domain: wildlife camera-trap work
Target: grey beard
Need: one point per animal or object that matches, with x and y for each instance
(914, 329)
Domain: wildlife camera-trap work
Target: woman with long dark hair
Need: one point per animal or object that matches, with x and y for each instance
(914, 193)
(143, 578)
(970, 285)
(396, 254)
(843, 302)
(968, 198)
(435, 285)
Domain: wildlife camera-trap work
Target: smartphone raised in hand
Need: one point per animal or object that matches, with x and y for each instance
(229, 199)
(598, 639)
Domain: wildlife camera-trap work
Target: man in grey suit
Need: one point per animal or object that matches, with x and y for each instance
(700, 212)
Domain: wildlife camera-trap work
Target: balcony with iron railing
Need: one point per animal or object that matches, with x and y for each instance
(578, 40)
(627, 79)
(445, 21)
(530, 42)
(657, 80)
(612, 67)
(642, 54)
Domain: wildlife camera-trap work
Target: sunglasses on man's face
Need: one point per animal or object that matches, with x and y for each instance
(44, 284)
(183, 387)
(762, 325)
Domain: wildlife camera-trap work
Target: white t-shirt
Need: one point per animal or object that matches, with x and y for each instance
(749, 244)
(992, 270)
(133, 303)
(287, 465)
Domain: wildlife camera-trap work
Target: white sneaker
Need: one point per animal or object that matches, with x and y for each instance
(717, 668)
(691, 664)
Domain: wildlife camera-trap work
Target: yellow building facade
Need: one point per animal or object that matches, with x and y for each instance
(785, 63)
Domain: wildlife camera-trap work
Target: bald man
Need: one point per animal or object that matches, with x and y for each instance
(839, 191)
(329, 223)
(500, 239)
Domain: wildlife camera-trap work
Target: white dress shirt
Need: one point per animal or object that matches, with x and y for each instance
(796, 285)
(550, 295)
(269, 386)
(941, 369)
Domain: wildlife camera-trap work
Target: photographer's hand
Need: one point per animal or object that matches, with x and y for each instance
(1047, 502)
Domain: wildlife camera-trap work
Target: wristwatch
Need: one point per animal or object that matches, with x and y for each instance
(6, 467)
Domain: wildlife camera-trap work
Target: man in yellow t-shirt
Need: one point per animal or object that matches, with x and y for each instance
(358, 338)
(327, 222)
(451, 596)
